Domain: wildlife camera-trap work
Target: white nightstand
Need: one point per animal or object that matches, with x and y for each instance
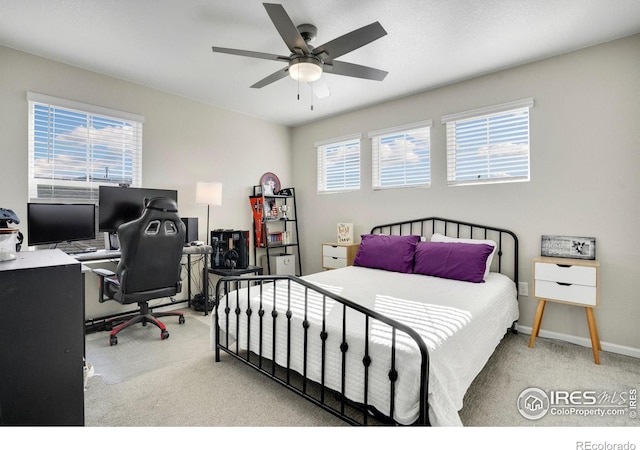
(572, 281)
(335, 256)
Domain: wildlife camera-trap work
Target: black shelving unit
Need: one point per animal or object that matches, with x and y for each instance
(275, 225)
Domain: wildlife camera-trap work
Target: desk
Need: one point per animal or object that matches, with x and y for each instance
(42, 340)
(224, 272)
(188, 251)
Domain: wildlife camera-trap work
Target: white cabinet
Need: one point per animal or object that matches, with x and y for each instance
(283, 264)
(335, 256)
(571, 281)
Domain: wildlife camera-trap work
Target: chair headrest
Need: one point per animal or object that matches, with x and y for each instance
(162, 204)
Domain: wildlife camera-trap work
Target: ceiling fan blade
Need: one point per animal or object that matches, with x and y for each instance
(290, 34)
(233, 51)
(354, 70)
(272, 78)
(350, 41)
(320, 88)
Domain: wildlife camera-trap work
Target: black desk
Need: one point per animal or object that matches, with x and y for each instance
(42, 340)
(224, 272)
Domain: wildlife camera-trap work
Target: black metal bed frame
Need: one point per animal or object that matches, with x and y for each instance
(336, 402)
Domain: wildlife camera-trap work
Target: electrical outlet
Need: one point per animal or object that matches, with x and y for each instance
(523, 289)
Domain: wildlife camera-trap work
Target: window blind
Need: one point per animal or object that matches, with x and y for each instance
(74, 148)
(401, 156)
(338, 165)
(489, 145)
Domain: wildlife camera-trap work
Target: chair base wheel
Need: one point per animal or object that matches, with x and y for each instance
(181, 320)
(113, 340)
(164, 334)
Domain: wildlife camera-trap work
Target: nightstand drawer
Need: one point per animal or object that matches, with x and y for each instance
(336, 256)
(329, 262)
(334, 251)
(571, 274)
(571, 293)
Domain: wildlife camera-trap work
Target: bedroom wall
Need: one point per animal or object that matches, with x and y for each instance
(585, 157)
(184, 142)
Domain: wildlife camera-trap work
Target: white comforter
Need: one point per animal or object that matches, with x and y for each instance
(461, 323)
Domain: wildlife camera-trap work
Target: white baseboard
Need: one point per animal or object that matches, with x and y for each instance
(585, 342)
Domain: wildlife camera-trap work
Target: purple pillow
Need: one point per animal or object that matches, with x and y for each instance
(454, 260)
(381, 251)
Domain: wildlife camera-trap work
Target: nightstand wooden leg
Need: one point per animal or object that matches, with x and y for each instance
(593, 331)
(537, 322)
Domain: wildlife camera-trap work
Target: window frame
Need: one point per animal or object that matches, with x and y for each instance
(451, 121)
(96, 118)
(349, 142)
(376, 155)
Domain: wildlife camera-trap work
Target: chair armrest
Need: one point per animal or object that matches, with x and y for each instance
(103, 273)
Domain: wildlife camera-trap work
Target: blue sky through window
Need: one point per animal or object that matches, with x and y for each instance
(77, 146)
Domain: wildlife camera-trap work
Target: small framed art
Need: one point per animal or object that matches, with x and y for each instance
(568, 247)
(345, 233)
(270, 184)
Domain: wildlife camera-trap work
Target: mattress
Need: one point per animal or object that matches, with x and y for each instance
(460, 322)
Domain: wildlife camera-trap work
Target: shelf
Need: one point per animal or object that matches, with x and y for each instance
(269, 229)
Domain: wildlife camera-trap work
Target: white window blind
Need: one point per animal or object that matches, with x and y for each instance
(338, 164)
(74, 148)
(401, 156)
(489, 145)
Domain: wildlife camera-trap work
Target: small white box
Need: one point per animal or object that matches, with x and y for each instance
(281, 264)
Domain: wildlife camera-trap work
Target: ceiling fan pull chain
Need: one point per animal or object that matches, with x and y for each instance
(311, 86)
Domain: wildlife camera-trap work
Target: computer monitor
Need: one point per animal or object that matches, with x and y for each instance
(53, 223)
(118, 205)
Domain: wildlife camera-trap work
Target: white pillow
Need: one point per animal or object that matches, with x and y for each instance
(437, 237)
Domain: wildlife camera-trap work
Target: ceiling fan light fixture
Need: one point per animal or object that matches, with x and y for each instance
(305, 69)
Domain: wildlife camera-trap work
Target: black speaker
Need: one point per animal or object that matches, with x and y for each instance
(191, 225)
(230, 249)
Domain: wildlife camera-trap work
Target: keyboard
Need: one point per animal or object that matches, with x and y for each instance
(96, 255)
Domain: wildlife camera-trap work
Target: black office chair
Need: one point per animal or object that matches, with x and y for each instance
(149, 267)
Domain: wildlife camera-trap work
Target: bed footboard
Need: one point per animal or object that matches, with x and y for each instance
(313, 352)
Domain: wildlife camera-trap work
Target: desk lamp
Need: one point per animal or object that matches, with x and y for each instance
(209, 194)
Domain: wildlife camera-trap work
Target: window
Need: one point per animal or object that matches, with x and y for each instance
(74, 148)
(488, 145)
(401, 156)
(339, 164)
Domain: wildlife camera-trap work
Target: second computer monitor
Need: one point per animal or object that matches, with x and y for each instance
(118, 205)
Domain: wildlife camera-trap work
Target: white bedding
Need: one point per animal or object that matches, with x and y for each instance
(461, 323)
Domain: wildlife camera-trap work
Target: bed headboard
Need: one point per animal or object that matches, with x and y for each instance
(506, 259)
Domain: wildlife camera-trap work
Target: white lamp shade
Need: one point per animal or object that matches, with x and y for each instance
(209, 193)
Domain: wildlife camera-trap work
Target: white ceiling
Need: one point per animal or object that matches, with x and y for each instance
(166, 44)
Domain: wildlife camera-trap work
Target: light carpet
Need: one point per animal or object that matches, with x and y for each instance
(140, 349)
(177, 383)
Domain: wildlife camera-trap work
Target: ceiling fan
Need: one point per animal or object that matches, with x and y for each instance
(306, 63)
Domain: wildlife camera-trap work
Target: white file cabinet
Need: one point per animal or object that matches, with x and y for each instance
(335, 256)
(571, 281)
(282, 264)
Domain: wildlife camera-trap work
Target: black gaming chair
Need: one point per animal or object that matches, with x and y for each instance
(149, 267)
